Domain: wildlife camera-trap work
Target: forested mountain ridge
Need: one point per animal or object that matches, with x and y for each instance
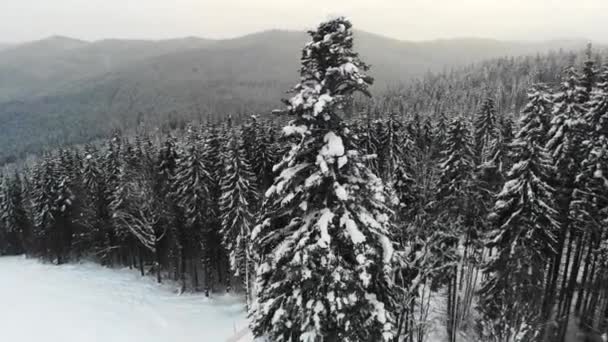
(60, 90)
(462, 90)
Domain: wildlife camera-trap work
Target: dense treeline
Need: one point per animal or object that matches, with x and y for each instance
(366, 218)
(175, 205)
(462, 90)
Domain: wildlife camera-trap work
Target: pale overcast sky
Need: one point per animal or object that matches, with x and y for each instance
(404, 19)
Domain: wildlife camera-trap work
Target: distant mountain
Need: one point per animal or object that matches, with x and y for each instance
(29, 69)
(62, 90)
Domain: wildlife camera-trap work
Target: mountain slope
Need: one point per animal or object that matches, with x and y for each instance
(34, 68)
(61, 90)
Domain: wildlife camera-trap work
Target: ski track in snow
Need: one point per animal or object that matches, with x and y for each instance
(89, 303)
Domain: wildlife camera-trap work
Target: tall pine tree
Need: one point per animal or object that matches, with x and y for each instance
(524, 236)
(324, 243)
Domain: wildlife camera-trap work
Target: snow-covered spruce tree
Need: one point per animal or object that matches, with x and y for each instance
(503, 159)
(565, 135)
(590, 198)
(414, 130)
(369, 143)
(589, 75)
(261, 152)
(486, 132)
(404, 186)
(75, 208)
(324, 242)
(565, 144)
(41, 194)
(488, 155)
(455, 209)
(13, 215)
(456, 168)
(214, 256)
(440, 132)
(63, 204)
(524, 235)
(239, 198)
(427, 135)
(52, 204)
(165, 163)
(136, 211)
(390, 143)
(190, 190)
(410, 182)
(110, 170)
(93, 183)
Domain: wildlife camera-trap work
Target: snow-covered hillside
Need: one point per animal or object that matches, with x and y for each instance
(89, 303)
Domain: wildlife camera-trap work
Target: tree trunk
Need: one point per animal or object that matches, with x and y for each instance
(567, 305)
(550, 296)
(582, 290)
(564, 285)
(182, 268)
(141, 261)
(195, 274)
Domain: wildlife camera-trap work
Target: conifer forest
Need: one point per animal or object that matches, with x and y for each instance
(349, 215)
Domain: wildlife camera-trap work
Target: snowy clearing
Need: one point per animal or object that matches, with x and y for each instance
(89, 303)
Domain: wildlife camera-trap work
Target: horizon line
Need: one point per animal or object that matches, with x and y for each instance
(63, 36)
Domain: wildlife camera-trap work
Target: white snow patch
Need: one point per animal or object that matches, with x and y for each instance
(342, 161)
(293, 130)
(322, 101)
(387, 248)
(351, 229)
(87, 302)
(323, 223)
(340, 192)
(333, 145)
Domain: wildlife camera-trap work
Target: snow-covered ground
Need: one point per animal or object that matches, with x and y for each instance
(89, 303)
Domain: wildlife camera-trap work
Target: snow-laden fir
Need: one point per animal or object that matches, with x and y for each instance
(324, 245)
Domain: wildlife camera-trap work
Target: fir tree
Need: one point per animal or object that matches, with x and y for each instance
(457, 166)
(455, 206)
(390, 141)
(565, 139)
(136, 211)
(524, 234)
(324, 243)
(588, 208)
(110, 171)
(13, 216)
(369, 143)
(486, 132)
(214, 256)
(191, 192)
(236, 203)
(165, 165)
(52, 204)
(95, 187)
(258, 145)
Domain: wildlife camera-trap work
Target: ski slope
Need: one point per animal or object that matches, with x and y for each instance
(89, 303)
